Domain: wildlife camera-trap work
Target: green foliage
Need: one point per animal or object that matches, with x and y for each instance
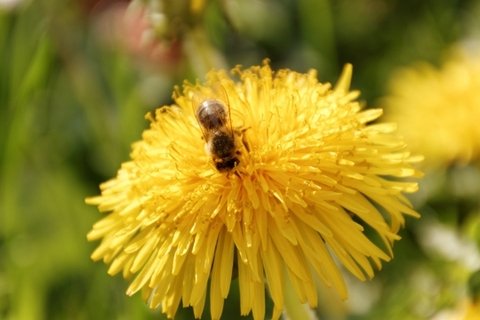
(71, 103)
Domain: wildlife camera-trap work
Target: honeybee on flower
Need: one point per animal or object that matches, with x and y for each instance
(213, 116)
(308, 162)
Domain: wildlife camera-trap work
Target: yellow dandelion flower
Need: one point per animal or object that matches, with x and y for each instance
(437, 110)
(305, 177)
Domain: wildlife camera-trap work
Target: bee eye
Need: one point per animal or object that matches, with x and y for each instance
(227, 165)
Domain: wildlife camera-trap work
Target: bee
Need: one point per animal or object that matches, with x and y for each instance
(214, 119)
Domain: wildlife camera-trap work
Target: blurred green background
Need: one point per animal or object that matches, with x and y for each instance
(77, 77)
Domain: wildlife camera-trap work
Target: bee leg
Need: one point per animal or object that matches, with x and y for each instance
(241, 132)
(245, 143)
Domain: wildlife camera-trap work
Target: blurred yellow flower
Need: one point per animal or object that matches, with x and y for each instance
(472, 311)
(466, 309)
(292, 205)
(438, 110)
(197, 6)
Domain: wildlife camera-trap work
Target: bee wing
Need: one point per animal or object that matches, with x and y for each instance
(197, 99)
(221, 95)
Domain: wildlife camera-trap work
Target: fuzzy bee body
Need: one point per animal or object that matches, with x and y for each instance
(213, 117)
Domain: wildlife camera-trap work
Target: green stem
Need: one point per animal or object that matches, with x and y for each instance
(202, 56)
(318, 31)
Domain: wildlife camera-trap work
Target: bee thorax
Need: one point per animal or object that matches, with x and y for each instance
(212, 115)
